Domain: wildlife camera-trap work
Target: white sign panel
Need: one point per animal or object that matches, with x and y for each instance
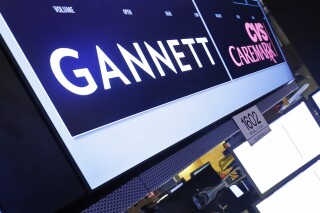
(252, 124)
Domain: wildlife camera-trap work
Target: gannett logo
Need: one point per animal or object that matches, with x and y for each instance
(130, 60)
(63, 9)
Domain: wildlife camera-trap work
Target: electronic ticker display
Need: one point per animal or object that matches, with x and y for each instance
(122, 76)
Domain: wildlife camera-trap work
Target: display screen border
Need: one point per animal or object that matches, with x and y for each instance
(117, 181)
(108, 187)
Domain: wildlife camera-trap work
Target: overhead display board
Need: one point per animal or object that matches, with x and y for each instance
(123, 80)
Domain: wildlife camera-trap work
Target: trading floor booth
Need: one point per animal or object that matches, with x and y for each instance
(103, 103)
(240, 177)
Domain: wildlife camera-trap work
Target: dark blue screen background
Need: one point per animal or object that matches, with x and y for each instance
(39, 31)
(230, 31)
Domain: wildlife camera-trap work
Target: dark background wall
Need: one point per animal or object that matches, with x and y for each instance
(299, 19)
(35, 175)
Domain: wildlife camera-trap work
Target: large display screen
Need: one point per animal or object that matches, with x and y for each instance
(293, 141)
(123, 80)
(298, 195)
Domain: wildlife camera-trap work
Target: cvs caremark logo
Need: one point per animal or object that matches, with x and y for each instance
(256, 32)
(261, 49)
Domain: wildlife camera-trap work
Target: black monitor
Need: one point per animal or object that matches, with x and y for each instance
(197, 171)
(123, 85)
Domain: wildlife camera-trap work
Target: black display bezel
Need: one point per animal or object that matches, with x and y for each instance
(113, 184)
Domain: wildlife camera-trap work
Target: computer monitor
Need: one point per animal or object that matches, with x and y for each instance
(293, 141)
(298, 195)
